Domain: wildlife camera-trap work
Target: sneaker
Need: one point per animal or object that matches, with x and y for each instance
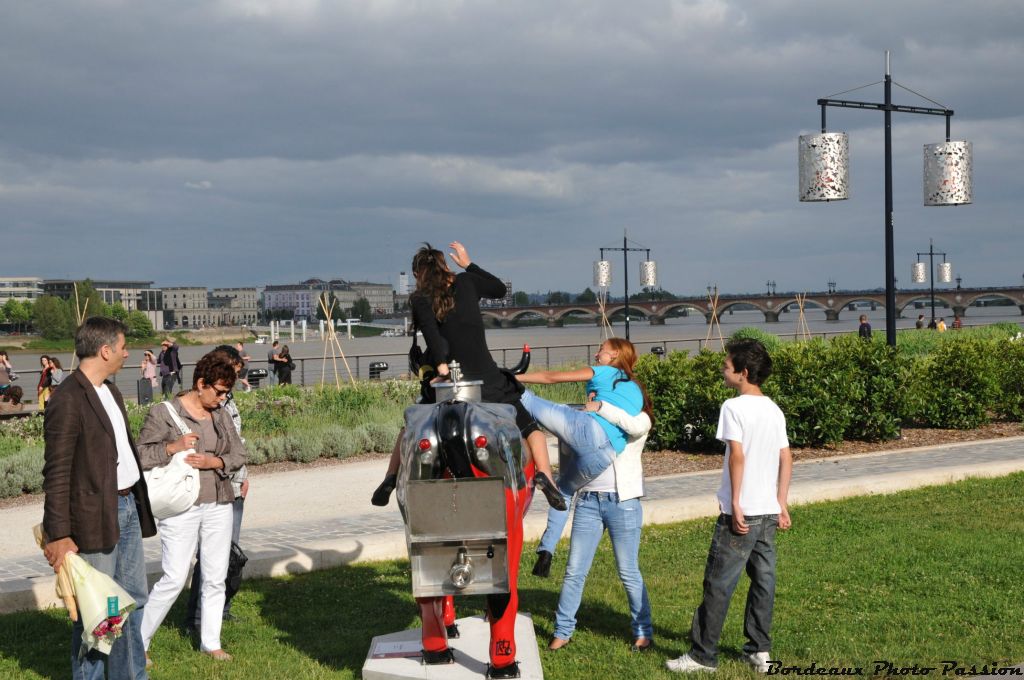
(687, 664)
(758, 660)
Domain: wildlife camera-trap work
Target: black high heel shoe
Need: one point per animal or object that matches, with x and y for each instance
(543, 566)
(382, 496)
(550, 491)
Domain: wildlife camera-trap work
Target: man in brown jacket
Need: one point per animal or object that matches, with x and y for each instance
(96, 502)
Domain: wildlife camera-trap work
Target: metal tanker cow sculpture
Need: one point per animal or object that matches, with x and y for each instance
(463, 488)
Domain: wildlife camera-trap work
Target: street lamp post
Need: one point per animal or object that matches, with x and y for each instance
(824, 172)
(648, 271)
(945, 271)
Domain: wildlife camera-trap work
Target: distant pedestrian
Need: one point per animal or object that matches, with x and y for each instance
(919, 324)
(56, 373)
(244, 374)
(864, 331)
(940, 325)
(170, 367)
(285, 366)
(932, 325)
(957, 323)
(148, 368)
(753, 501)
(96, 500)
(273, 359)
(7, 374)
(43, 387)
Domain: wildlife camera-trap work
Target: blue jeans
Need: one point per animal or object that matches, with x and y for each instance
(192, 610)
(126, 564)
(557, 520)
(729, 555)
(596, 511)
(581, 432)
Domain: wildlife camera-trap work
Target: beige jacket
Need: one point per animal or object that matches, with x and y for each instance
(629, 471)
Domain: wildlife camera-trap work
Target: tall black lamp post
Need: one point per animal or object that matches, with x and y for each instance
(648, 271)
(944, 273)
(824, 172)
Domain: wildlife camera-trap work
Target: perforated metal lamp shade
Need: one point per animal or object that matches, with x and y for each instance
(947, 173)
(648, 274)
(824, 166)
(602, 274)
(919, 272)
(944, 272)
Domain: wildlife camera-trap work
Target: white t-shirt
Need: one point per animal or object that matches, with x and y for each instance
(604, 482)
(127, 469)
(759, 425)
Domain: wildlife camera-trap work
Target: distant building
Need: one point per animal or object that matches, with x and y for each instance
(381, 296)
(301, 299)
(132, 295)
(188, 307)
(237, 306)
(20, 288)
(403, 285)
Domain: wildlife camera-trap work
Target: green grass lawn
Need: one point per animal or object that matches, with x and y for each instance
(917, 577)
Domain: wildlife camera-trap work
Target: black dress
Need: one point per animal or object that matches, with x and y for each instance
(460, 337)
(284, 370)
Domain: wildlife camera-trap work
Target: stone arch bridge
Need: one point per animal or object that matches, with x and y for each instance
(832, 305)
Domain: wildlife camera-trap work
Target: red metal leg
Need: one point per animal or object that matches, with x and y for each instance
(502, 609)
(435, 639)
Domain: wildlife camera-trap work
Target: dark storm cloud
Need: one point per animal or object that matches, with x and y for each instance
(329, 138)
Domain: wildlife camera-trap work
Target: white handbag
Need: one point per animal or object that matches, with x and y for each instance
(174, 487)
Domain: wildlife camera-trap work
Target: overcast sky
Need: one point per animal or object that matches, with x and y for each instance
(246, 142)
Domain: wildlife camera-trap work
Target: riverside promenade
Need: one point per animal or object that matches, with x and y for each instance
(321, 517)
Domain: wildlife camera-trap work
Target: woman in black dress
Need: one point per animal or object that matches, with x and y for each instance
(446, 307)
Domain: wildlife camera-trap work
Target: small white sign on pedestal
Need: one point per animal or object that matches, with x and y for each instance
(396, 656)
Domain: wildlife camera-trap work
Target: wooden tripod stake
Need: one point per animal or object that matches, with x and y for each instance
(713, 324)
(602, 304)
(802, 331)
(331, 338)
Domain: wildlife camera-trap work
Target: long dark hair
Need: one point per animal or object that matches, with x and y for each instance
(626, 362)
(434, 280)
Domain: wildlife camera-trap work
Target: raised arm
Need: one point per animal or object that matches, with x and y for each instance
(552, 377)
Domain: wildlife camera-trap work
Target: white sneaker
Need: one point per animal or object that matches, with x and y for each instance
(759, 661)
(687, 664)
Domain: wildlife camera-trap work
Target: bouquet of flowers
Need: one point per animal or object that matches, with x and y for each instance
(102, 604)
(92, 597)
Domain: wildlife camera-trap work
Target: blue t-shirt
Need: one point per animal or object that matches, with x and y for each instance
(626, 395)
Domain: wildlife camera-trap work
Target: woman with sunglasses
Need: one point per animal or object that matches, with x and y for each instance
(218, 453)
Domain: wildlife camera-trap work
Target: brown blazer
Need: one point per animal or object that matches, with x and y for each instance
(80, 469)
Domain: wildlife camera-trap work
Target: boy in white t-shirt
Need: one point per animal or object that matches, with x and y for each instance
(752, 498)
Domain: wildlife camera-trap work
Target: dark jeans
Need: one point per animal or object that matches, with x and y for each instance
(729, 555)
(127, 565)
(192, 612)
(167, 384)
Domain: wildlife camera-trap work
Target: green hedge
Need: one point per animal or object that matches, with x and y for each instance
(845, 388)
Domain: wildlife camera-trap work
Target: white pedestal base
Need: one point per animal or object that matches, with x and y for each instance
(396, 656)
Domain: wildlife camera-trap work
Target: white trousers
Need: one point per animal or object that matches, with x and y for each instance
(178, 538)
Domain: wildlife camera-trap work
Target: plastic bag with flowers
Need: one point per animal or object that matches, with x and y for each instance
(103, 606)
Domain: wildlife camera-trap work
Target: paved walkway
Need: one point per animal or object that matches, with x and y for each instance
(321, 517)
